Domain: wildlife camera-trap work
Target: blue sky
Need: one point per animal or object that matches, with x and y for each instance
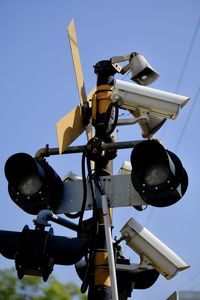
(38, 87)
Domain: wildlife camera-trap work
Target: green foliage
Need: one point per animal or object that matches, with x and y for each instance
(8, 285)
(33, 288)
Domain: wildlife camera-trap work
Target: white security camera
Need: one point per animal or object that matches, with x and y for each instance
(147, 100)
(151, 250)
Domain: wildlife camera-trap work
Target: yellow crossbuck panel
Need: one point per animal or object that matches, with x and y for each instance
(71, 125)
(69, 128)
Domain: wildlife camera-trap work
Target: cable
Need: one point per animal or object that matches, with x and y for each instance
(92, 243)
(187, 120)
(185, 282)
(176, 90)
(91, 178)
(84, 192)
(182, 73)
(180, 80)
(187, 56)
(109, 115)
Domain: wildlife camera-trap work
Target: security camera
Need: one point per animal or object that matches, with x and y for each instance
(145, 100)
(151, 250)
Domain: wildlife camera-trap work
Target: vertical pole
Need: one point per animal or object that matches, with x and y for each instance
(100, 288)
(108, 235)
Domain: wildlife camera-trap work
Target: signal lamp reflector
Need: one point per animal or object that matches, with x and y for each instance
(32, 184)
(157, 174)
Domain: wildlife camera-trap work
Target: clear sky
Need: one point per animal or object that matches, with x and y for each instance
(38, 87)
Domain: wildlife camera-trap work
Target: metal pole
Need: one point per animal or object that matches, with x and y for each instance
(46, 152)
(100, 286)
(109, 243)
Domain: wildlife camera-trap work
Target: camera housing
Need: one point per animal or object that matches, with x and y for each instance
(156, 102)
(151, 250)
(150, 107)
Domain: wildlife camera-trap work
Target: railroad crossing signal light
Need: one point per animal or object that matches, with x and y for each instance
(157, 174)
(32, 184)
(37, 251)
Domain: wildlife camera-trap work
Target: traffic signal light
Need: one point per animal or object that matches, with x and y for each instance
(157, 174)
(32, 184)
(36, 188)
(37, 251)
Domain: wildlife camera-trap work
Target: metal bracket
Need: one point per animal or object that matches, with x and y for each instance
(118, 188)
